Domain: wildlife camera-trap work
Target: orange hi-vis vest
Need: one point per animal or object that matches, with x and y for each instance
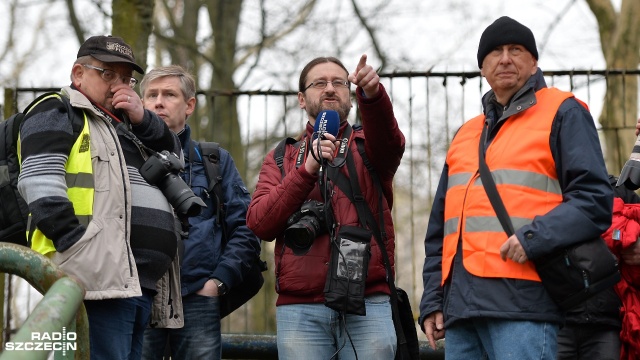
(524, 170)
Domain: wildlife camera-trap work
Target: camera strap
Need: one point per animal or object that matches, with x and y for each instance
(491, 189)
(351, 188)
(145, 151)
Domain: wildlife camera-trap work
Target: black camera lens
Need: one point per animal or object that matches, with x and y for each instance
(304, 226)
(160, 170)
(180, 196)
(299, 236)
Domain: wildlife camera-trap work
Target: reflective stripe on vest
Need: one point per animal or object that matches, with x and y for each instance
(523, 168)
(80, 187)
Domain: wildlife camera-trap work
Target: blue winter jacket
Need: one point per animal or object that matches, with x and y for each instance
(205, 257)
(585, 213)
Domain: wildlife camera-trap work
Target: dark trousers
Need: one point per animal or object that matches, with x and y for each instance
(116, 326)
(199, 338)
(589, 341)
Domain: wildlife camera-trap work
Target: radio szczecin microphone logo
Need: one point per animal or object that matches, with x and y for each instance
(327, 121)
(46, 341)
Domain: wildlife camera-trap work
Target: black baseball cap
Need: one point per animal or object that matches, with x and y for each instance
(109, 49)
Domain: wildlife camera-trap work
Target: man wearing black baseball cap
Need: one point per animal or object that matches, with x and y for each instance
(109, 49)
(542, 150)
(96, 217)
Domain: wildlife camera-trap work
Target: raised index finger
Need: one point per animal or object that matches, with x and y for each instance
(361, 63)
(353, 77)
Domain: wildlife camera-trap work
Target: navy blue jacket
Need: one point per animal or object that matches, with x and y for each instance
(585, 213)
(204, 255)
(603, 308)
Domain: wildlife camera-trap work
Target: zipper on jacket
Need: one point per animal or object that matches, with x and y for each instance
(124, 187)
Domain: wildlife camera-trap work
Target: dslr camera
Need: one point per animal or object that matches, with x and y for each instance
(304, 226)
(161, 170)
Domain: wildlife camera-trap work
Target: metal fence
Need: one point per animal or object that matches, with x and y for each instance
(429, 108)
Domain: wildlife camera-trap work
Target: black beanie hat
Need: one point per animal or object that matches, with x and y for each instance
(503, 31)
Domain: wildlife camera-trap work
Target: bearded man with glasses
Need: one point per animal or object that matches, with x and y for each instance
(94, 214)
(306, 328)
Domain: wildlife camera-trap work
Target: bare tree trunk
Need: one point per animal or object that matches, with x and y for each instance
(133, 20)
(372, 35)
(620, 41)
(223, 126)
(182, 46)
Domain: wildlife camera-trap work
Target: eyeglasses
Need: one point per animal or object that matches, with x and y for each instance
(322, 84)
(111, 76)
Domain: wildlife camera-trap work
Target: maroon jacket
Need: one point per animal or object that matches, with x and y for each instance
(301, 279)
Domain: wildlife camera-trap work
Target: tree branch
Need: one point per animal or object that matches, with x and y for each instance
(258, 52)
(554, 23)
(269, 41)
(73, 20)
(11, 28)
(372, 35)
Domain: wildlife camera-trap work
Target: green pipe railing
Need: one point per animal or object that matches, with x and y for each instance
(50, 326)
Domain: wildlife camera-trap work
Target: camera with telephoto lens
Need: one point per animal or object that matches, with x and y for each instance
(304, 226)
(161, 170)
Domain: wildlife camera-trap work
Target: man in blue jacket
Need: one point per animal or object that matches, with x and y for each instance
(542, 148)
(209, 268)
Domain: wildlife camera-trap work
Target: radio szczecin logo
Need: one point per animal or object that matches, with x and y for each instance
(46, 341)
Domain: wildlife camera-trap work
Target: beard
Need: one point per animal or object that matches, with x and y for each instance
(341, 107)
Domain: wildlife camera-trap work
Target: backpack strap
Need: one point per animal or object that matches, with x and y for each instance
(211, 159)
(278, 154)
(15, 129)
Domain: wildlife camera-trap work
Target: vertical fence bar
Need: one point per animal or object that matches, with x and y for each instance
(429, 148)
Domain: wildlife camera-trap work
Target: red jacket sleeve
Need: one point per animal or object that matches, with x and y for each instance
(275, 199)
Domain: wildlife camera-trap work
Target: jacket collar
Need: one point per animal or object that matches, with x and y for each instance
(521, 101)
(79, 100)
(184, 137)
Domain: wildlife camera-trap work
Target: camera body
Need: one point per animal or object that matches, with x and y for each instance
(161, 170)
(304, 226)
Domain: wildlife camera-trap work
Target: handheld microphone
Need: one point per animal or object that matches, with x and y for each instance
(327, 121)
(630, 174)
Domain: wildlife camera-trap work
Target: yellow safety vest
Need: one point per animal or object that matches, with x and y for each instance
(80, 185)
